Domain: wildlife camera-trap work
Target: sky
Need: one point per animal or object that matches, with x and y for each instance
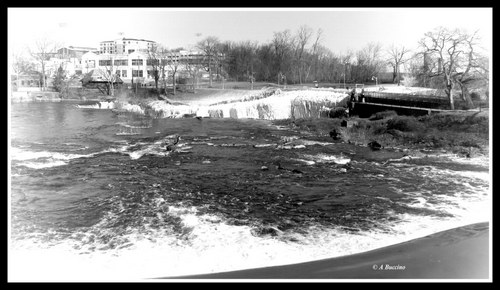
(343, 28)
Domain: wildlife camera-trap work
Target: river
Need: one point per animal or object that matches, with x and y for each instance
(94, 195)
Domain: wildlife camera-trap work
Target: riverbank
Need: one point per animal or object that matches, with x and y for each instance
(459, 253)
(465, 134)
(319, 112)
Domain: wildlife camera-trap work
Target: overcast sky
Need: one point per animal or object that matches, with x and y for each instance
(343, 28)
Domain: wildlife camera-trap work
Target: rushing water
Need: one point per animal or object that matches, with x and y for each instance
(95, 195)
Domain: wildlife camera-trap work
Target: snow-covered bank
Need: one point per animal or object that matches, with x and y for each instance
(392, 89)
(263, 105)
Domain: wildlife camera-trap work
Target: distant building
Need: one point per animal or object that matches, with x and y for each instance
(125, 46)
(26, 82)
(74, 51)
(127, 58)
(136, 66)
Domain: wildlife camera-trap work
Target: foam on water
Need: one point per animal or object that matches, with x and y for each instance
(98, 105)
(130, 108)
(21, 155)
(139, 149)
(209, 244)
(43, 159)
(325, 158)
(127, 133)
(46, 164)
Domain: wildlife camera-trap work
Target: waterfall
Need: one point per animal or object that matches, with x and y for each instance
(268, 106)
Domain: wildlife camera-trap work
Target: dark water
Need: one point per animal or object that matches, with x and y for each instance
(98, 190)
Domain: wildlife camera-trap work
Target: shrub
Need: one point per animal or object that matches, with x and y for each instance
(405, 124)
(469, 143)
(379, 128)
(383, 114)
(338, 112)
(475, 96)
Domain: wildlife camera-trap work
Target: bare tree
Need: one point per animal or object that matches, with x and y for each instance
(154, 57)
(453, 52)
(475, 70)
(282, 44)
(302, 38)
(173, 62)
(264, 62)
(368, 62)
(21, 65)
(241, 59)
(398, 55)
(106, 72)
(192, 67)
(42, 52)
(347, 60)
(209, 46)
(315, 55)
(163, 53)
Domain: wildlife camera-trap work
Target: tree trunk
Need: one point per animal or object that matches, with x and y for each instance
(209, 73)
(398, 76)
(449, 92)
(300, 74)
(44, 85)
(173, 80)
(194, 84)
(466, 95)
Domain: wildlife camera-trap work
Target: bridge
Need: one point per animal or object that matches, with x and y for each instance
(366, 104)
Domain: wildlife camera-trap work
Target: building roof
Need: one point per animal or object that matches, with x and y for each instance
(136, 39)
(79, 48)
(82, 48)
(132, 39)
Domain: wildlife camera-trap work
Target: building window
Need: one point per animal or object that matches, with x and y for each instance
(118, 73)
(105, 62)
(124, 73)
(122, 62)
(137, 62)
(137, 73)
(152, 62)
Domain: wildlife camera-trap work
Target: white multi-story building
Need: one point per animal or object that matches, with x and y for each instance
(125, 46)
(134, 65)
(130, 68)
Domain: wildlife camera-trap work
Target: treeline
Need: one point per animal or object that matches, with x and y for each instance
(448, 59)
(292, 57)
